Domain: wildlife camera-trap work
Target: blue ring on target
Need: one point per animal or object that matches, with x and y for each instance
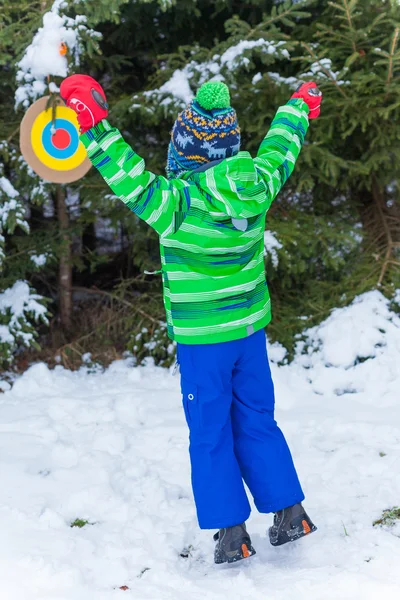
(48, 143)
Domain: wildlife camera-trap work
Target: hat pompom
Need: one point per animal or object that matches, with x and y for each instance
(213, 94)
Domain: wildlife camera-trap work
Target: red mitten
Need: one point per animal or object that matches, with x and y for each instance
(311, 96)
(86, 97)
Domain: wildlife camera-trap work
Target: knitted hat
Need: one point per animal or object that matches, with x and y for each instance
(205, 131)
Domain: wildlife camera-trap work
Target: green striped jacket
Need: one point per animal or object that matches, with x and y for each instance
(211, 226)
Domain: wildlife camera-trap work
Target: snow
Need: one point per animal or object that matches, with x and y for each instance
(178, 87)
(12, 211)
(323, 70)
(39, 260)
(338, 353)
(6, 336)
(271, 245)
(17, 302)
(292, 82)
(111, 447)
(7, 187)
(42, 57)
(233, 57)
(365, 323)
(53, 88)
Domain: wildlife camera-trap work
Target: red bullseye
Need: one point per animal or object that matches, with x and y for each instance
(61, 139)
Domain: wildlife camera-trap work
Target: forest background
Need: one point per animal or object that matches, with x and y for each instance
(73, 259)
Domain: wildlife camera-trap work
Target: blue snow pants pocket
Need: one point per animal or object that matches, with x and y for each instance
(190, 397)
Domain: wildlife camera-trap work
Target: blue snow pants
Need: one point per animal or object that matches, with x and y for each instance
(228, 398)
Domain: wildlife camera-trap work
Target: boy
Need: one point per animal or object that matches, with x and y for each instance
(210, 215)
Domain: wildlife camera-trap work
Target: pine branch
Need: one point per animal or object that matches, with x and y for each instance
(348, 15)
(276, 17)
(391, 56)
(324, 69)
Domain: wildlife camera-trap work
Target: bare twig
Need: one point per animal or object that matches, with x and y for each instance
(93, 185)
(77, 342)
(117, 299)
(10, 137)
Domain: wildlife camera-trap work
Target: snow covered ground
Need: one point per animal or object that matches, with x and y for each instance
(110, 447)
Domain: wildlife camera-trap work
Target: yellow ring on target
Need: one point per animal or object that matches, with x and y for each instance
(41, 121)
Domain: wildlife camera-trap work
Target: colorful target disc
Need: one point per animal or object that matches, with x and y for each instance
(52, 148)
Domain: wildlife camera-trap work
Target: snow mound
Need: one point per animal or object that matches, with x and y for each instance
(355, 333)
(339, 351)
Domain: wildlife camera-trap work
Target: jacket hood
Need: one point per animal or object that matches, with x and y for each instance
(234, 186)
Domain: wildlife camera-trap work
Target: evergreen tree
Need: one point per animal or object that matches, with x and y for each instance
(337, 221)
(356, 60)
(333, 232)
(260, 60)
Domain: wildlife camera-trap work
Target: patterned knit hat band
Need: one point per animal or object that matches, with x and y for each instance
(205, 131)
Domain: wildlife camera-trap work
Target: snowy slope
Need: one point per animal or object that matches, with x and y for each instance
(111, 448)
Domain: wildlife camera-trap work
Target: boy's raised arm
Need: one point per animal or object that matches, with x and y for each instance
(281, 146)
(151, 197)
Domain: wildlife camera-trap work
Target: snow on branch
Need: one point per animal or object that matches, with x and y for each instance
(178, 89)
(20, 308)
(292, 82)
(323, 70)
(234, 57)
(12, 211)
(42, 57)
(177, 86)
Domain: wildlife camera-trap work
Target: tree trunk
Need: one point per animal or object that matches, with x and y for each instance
(381, 223)
(65, 266)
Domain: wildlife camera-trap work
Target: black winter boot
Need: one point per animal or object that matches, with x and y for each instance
(290, 524)
(233, 544)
